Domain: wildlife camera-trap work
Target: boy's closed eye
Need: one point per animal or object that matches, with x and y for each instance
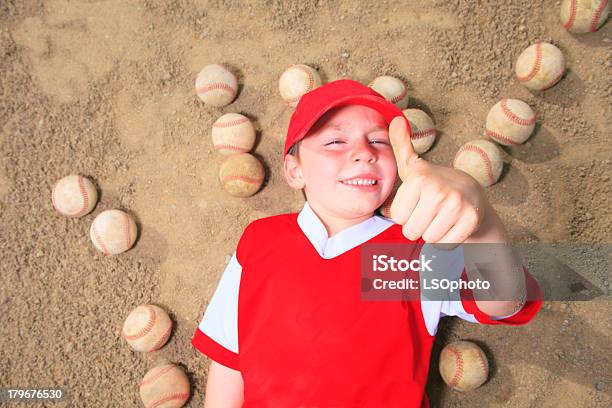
(377, 141)
(334, 142)
(381, 138)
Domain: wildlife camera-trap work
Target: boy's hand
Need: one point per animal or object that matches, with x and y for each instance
(439, 204)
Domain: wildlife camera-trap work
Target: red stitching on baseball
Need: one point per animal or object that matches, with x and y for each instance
(536, 65)
(98, 238)
(423, 133)
(554, 81)
(572, 16)
(230, 147)
(501, 138)
(216, 86)
(483, 156)
(395, 99)
(83, 194)
(400, 96)
(309, 75)
(458, 366)
(175, 396)
(515, 118)
(231, 123)
(597, 15)
(162, 340)
(147, 327)
(246, 179)
(155, 376)
(482, 361)
(83, 191)
(309, 87)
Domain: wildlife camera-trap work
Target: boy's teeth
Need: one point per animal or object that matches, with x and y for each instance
(360, 182)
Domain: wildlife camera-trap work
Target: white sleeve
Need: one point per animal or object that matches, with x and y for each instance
(445, 265)
(220, 321)
(441, 302)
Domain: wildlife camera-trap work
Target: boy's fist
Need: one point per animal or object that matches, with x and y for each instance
(439, 204)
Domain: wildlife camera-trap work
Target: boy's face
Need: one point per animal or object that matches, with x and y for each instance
(348, 144)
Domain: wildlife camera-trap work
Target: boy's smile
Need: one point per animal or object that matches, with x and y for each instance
(346, 164)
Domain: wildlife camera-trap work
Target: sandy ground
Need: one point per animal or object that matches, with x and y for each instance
(105, 89)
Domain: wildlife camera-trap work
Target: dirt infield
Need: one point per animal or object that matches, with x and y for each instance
(106, 89)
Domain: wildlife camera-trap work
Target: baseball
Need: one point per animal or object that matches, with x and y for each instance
(74, 196)
(423, 129)
(113, 232)
(540, 66)
(233, 133)
(463, 366)
(296, 81)
(241, 174)
(147, 328)
(480, 159)
(510, 122)
(584, 16)
(392, 89)
(216, 85)
(164, 386)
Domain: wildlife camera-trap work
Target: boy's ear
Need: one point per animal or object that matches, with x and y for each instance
(293, 172)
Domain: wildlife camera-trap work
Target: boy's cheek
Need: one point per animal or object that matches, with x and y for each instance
(393, 170)
(390, 158)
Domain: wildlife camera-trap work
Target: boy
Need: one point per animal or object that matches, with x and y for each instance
(286, 326)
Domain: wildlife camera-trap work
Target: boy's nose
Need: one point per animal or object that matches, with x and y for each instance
(364, 152)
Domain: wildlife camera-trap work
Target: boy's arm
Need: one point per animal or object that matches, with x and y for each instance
(497, 264)
(217, 337)
(447, 206)
(224, 388)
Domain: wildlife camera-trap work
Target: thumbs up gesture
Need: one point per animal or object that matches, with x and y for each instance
(439, 204)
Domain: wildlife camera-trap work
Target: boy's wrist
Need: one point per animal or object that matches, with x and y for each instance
(491, 229)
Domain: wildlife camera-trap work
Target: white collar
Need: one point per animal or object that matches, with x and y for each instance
(347, 239)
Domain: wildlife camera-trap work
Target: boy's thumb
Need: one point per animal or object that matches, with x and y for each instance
(399, 136)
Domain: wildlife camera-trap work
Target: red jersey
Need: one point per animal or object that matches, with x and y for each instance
(288, 315)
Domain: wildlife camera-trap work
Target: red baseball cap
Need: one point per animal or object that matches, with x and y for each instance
(342, 92)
